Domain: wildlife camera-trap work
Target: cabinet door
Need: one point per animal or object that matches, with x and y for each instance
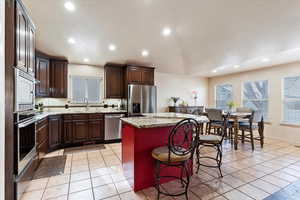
(148, 76)
(54, 132)
(42, 130)
(114, 82)
(31, 49)
(134, 75)
(80, 131)
(59, 78)
(21, 34)
(42, 74)
(67, 132)
(96, 129)
(42, 150)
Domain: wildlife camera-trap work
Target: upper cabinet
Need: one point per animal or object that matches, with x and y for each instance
(140, 75)
(118, 76)
(114, 80)
(42, 74)
(59, 78)
(52, 75)
(25, 40)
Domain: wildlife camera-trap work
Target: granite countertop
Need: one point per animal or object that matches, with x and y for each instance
(160, 119)
(82, 110)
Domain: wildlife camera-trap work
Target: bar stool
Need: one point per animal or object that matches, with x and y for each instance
(178, 153)
(213, 140)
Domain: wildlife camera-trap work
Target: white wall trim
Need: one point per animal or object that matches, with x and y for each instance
(2, 95)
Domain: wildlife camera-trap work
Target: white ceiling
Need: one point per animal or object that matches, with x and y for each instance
(206, 34)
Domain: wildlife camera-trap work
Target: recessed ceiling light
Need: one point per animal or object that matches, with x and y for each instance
(214, 71)
(86, 60)
(265, 59)
(145, 53)
(112, 47)
(236, 66)
(166, 31)
(71, 41)
(69, 6)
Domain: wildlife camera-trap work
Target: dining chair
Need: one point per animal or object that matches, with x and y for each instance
(178, 153)
(213, 140)
(200, 112)
(256, 122)
(216, 121)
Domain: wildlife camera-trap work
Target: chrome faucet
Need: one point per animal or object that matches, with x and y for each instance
(86, 102)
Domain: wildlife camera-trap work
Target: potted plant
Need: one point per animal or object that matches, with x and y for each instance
(231, 105)
(175, 99)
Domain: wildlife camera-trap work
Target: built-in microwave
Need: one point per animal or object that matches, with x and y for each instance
(24, 91)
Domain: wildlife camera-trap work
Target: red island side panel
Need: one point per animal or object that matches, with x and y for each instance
(138, 164)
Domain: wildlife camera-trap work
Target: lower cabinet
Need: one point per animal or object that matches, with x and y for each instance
(81, 128)
(80, 131)
(55, 128)
(96, 129)
(42, 138)
(67, 132)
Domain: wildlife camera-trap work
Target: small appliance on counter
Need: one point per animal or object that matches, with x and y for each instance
(141, 99)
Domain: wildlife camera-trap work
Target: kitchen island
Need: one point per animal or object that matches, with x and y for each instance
(140, 135)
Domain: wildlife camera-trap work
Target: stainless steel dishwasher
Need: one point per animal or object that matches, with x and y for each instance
(113, 126)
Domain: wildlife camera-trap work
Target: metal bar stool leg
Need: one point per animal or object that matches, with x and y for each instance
(157, 177)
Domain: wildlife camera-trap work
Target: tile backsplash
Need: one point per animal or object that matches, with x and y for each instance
(49, 102)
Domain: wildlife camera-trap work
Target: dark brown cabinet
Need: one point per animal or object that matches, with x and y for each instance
(67, 130)
(42, 74)
(55, 128)
(96, 128)
(82, 128)
(185, 109)
(140, 75)
(148, 76)
(52, 74)
(118, 76)
(42, 138)
(25, 40)
(31, 49)
(80, 133)
(114, 80)
(58, 78)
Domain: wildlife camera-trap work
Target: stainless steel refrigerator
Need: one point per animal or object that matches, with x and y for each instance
(141, 99)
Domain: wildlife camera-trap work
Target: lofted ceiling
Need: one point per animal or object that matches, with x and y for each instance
(208, 38)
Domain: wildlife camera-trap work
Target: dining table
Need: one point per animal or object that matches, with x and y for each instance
(236, 117)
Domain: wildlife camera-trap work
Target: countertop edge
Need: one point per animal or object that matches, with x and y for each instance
(41, 116)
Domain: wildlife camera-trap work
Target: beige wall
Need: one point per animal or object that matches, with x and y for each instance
(169, 85)
(274, 75)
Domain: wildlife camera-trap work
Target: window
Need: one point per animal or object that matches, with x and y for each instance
(223, 96)
(291, 100)
(256, 97)
(86, 88)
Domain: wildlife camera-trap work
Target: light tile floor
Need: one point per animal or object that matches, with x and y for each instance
(95, 172)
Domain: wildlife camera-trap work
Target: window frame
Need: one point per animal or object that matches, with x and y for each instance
(101, 88)
(267, 117)
(232, 93)
(283, 100)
